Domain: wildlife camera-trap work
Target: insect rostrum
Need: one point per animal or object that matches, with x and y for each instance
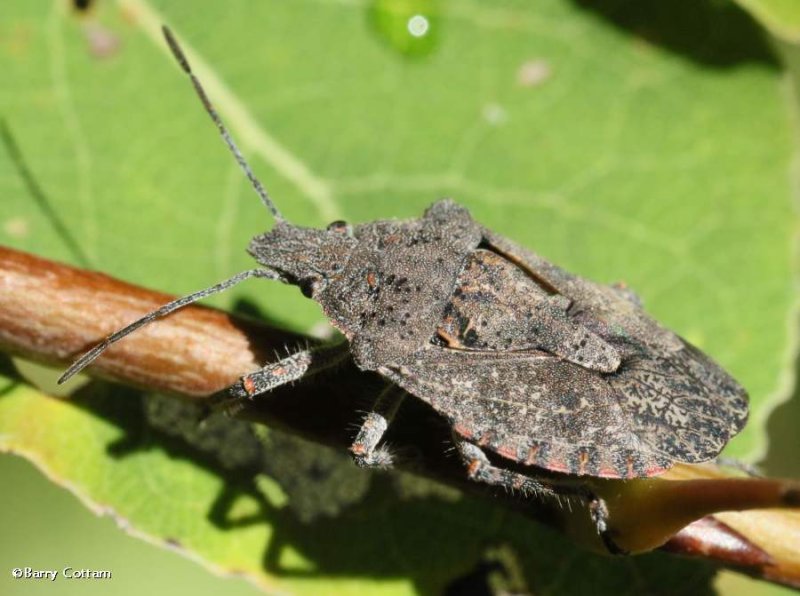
(538, 365)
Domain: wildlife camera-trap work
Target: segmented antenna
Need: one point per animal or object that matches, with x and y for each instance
(92, 354)
(182, 60)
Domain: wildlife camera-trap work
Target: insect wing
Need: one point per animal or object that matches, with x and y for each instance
(532, 408)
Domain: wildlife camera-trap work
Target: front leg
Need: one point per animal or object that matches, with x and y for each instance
(300, 365)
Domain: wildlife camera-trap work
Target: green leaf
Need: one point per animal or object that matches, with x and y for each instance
(607, 136)
(781, 17)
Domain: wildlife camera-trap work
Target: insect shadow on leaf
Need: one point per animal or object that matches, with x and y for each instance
(544, 370)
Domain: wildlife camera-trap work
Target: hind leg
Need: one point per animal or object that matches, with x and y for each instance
(480, 469)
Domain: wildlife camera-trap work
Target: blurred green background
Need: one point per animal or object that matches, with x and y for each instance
(647, 141)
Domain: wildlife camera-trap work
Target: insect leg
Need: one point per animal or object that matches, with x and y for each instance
(744, 467)
(302, 364)
(480, 469)
(598, 510)
(365, 449)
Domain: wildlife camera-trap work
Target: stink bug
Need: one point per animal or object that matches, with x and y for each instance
(548, 371)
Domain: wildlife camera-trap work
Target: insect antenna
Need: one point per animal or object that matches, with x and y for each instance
(92, 354)
(177, 51)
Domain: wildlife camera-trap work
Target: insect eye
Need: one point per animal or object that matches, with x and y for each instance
(340, 227)
(309, 286)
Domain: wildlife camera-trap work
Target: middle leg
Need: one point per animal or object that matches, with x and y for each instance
(365, 450)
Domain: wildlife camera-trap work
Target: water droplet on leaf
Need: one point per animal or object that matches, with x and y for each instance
(410, 27)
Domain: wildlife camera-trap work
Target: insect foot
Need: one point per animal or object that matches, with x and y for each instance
(598, 511)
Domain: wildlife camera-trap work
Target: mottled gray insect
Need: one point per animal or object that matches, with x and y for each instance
(537, 365)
